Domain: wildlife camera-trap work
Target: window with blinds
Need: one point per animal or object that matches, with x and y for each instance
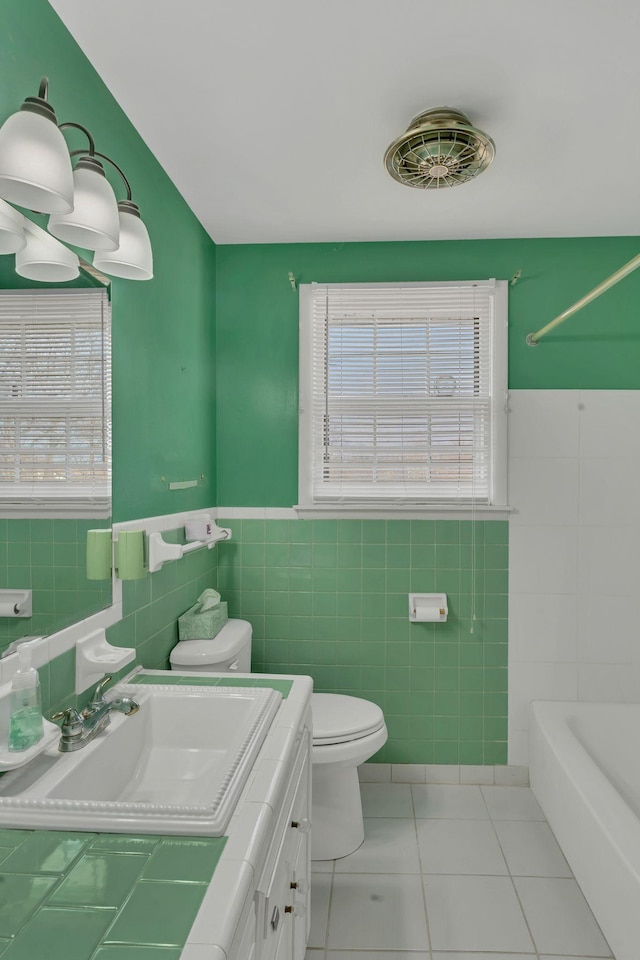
(403, 393)
(55, 399)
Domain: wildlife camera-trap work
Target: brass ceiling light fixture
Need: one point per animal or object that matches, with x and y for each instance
(439, 149)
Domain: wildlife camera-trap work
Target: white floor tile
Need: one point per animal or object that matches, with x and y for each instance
(475, 913)
(512, 803)
(320, 895)
(460, 846)
(386, 799)
(530, 849)
(390, 846)
(559, 917)
(377, 955)
(383, 912)
(453, 802)
(322, 866)
(314, 955)
(488, 956)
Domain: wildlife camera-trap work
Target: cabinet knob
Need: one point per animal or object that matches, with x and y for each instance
(304, 826)
(300, 885)
(299, 910)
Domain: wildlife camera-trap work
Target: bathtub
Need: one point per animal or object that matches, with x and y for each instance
(585, 773)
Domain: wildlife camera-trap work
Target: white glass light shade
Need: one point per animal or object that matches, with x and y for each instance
(12, 235)
(93, 222)
(133, 259)
(35, 166)
(44, 259)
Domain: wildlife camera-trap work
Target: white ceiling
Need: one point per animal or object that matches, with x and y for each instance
(272, 116)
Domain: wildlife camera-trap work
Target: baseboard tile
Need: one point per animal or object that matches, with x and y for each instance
(506, 776)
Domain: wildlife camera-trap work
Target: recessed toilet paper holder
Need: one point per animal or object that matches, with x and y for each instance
(428, 607)
(16, 603)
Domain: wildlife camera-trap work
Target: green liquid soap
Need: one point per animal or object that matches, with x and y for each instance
(25, 723)
(26, 728)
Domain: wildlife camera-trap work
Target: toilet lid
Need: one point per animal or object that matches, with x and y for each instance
(337, 718)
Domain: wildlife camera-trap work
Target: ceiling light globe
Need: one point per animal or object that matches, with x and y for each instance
(12, 235)
(133, 259)
(35, 166)
(93, 222)
(45, 259)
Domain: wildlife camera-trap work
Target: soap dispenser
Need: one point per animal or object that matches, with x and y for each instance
(25, 724)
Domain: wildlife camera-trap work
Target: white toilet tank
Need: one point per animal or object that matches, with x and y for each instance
(228, 652)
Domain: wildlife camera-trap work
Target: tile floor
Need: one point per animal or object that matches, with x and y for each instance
(451, 872)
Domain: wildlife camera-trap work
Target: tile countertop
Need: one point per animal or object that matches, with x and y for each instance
(88, 896)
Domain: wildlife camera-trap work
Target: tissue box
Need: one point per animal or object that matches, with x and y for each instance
(198, 624)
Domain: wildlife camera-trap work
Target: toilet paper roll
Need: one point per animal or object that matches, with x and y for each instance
(129, 555)
(427, 612)
(99, 554)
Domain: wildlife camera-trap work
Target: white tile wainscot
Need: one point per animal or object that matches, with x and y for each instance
(574, 562)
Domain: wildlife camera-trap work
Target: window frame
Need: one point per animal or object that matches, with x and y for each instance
(308, 507)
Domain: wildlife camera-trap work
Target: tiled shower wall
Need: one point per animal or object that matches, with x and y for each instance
(49, 557)
(574, 461)
(328, 598)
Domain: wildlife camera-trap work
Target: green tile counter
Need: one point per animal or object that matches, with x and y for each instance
(206, 680)
(71, 895)
(87, 896)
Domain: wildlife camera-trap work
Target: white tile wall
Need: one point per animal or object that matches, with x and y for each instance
(574, 559)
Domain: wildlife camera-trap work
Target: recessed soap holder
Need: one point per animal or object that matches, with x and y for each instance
(95, 656)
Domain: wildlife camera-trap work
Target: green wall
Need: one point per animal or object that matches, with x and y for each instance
(49, 557)
(328, 599)
(257, 332)
(151, 607)
(163, 329)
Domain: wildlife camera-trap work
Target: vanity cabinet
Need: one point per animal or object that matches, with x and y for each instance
(282, 893)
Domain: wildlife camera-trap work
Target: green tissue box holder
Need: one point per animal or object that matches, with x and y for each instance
(198, 624)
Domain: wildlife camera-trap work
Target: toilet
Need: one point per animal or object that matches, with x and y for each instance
(346, 732)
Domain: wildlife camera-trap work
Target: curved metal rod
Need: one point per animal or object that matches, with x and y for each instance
(534, 338)
(114, 164)
(78, 126)
(96, 153)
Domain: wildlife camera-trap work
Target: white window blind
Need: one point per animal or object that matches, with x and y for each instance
(55, 397)
(403, 391)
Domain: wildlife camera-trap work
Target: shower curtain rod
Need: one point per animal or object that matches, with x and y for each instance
(534, 338)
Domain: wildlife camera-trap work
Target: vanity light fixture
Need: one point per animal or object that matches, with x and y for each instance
(36, 172)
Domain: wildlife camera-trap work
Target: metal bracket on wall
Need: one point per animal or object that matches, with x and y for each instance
(293, 282)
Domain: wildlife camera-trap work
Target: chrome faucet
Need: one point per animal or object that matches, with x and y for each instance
(78, 729)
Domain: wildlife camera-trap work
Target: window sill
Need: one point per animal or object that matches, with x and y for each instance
(55, 508)
(404, 511)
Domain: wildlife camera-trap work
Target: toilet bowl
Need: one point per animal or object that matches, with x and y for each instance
(346, 732)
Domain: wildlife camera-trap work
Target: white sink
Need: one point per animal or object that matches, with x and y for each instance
(177, 766)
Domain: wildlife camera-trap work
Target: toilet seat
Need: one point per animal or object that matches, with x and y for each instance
(341, 719)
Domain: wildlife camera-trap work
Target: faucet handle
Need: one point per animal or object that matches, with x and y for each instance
(71, 721)
(97, 695)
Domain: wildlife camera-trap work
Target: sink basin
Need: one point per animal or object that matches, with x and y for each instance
(177, 766)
